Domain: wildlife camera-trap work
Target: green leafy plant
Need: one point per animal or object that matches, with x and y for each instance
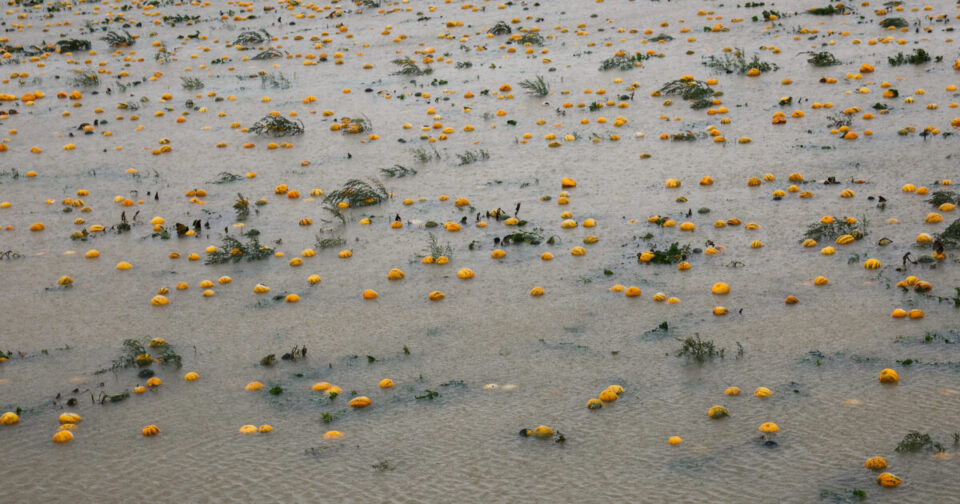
(699, 350)
(950, 237)
(250, 39)
(894, 22)
(822, 58)
(435, 249)
(70, 45)
(242, 207)
(698, 93)
(672, 255)
(116, 39)
(87, 78)
(537, 87)
(358, 193)
(277, 126)
(830, 10)
(268, 54)
(918, 57)
(191, 83)
(501, 28)
(398, 171)
(916, 441)
(470, 157)
(274, 80)
(232, 249)
(738, 63)
(409, 67)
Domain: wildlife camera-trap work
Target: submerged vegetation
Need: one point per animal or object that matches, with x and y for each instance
(358, 193)
(738, 63)
(234, 250)
(277, 126)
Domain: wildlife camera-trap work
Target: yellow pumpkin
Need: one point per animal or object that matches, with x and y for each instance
(395, 274)
(9, 418)
(465, 274)
(888, 480)
(537, 291)
(889, 376)
(717, 412)
(769, 428)
(386, 383)
(820, 280)
(543, 432)
(791, 300)
(875, 463)
(191, 376)
(608, 396)
(154, 382)
(762, 392)
(248, 429)
(720, 311)
(436, 296)
(898, 313)
(370, 294)
(332, 435)
(632, 291)
(150, 430)
(253, 386)
(578, 251)
(675, 440)
(872, 264)
(63, 436)
(359, 402)
(720, 288)
(320, 386)
(732, 391)
(594, 403)
(69, 418)
(265, 429)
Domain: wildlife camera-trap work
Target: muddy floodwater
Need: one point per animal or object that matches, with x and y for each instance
(572, 244)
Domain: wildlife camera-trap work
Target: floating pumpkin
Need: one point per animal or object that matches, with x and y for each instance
(820, 280)
(872, 264)
(359, 402)
(717, 412)
(537, 291)
(543, 432)
(720, 288)
(150, 430)
(791, 300)
(465, 274)
(674, 440)
(720, 311)
(154, 382)
(769, 428)
(594, 403)
(888, 480)
(498, 254)
(63, 436)
(732, 391)
(265, 429)
(69, 418)
(253, 386)
(370, 294)
(395, 274)
(608, 396)
(889, 376)
(762, 392)
(386, 383)
(191, 376)
(332, 435)
(632, 291)
(875, 463)
(261, 289)
(248, 429)
(436, 296)
(9, 418)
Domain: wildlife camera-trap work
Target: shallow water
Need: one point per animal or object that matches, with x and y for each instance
(558, 350)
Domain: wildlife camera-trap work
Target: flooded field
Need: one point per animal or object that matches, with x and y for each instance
(605, 218)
